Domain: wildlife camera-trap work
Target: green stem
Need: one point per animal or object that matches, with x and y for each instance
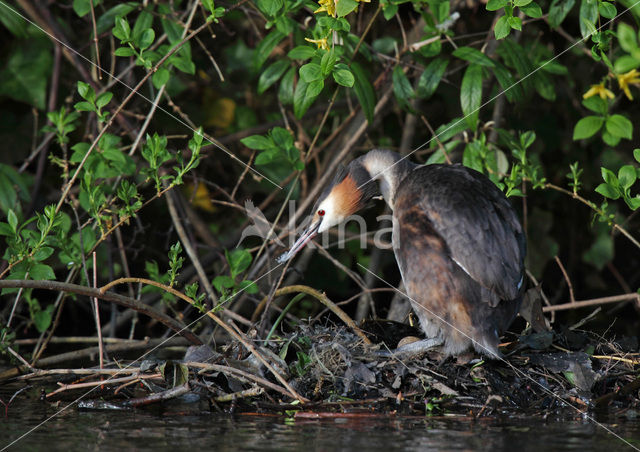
(282, 314)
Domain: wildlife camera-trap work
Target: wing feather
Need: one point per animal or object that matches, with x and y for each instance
(477, 222)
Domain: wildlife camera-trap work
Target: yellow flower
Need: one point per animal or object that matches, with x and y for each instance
(327, 5)
(321, 43)
(630, 78)
(600, 90)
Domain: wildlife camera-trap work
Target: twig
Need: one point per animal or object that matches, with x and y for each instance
(39, 373)
(566, 278)
(159, 396)
(618, 358)
(211, 58)
(186, 243)
(592, 206)
(92, 384)
(592, 302)
(97, 309)
(78, 340)
(435, 135)
(215, 318)
(240, 395)
(95, 37)
(20, 358)
(324, 300)
(15, 302)
(111, 297)
(232, 370)
(85, 352)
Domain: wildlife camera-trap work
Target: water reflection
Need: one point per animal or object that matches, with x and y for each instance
(132, 430)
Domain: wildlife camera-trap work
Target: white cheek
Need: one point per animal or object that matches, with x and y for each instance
(330, 218)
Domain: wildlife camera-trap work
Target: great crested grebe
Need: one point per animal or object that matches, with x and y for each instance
(456, 238)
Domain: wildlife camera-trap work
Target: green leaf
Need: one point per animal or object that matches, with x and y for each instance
(266, 46)
(607, 10)
(601, 250)
(587, 127)
(520, 3)
(301, 101)
(344, 7)
(42, 320)
(625, 63)
(310, 72)
(389, 10)
(327, 63)
(633, 203)
(105, 22)
(271, 75)
(558, 11)
(239, 260)
(494, 5)
(103, 99)
(364, 91)
(41, 272)
(544, 86)
(183, 63)
(611, 140)
(553, 67)
(608, 191)
(267, 156)
(124, 52)
(636, 155)
(596, 104)
(257, 142)
(146, 38)
(285, 92)
(302, 53)
(270, 7)
(16, 25)
(85, 91)
(502, 28)
(302, 98)
(222, 282)
(12, 219)
(627, 176)
(315, 88)
(24, 74)
(430, 78)
(471, 94)
(344, 77)
(247, 286)
(627, 37)
(515, 23)
(532, 10)
(160, 78)
(122, 30)
(84, 106)
(619, 126)
(82, 7)
(511, 90)
(143, 22)
(588, 17)
(609, 177)
(473, 56)
(402, 88)
(42, 253)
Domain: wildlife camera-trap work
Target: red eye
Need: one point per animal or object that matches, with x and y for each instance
(321, 212)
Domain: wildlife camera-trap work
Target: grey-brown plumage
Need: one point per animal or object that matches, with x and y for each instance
(457, 241)
(460, 249)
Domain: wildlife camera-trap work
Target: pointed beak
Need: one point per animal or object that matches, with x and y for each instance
(307, 235)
